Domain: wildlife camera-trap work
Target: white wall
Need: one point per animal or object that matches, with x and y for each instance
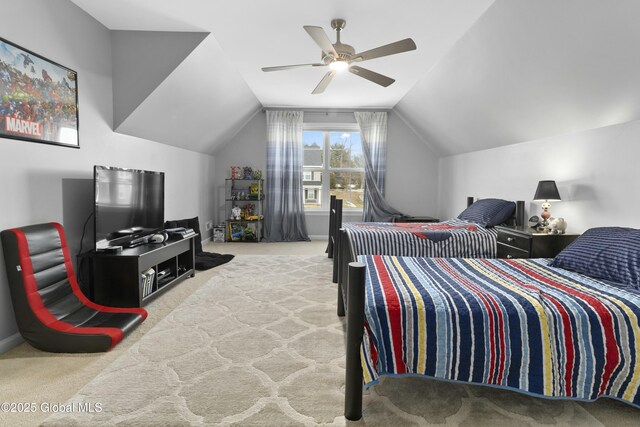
(527, 70)
(43, 182)
(596, 172)
(412, 169)
(247, 148)
(142, 60)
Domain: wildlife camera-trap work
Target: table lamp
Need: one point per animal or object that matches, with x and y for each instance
(546, 192)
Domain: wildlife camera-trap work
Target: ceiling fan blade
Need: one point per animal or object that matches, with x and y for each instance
(324, 83)
(371, 75)
(320, 37)
(388, 49)
(291, 67)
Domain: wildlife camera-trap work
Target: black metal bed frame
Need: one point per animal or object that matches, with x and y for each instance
(350, 277)
(355, 332)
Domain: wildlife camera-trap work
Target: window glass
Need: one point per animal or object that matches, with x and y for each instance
(313, 149)
(346, 150)
(348, 186)
(338, 156)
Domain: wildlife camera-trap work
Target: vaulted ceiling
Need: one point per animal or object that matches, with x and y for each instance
(485, 73)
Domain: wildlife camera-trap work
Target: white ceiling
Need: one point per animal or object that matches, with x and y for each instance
(486, 73)
(248, 35)
(528, 70)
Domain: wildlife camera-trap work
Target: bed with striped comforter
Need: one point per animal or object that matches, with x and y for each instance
(517, 324)
(452, 238)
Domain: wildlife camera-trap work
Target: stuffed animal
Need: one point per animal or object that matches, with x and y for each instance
(247, 172)
(557, 225)
(235, 212)
(236, 172)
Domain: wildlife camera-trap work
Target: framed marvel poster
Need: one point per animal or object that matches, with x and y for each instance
(38, 98)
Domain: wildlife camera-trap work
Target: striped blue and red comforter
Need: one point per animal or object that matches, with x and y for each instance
(452, 238)
(513, 323)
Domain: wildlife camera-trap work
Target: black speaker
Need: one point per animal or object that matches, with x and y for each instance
(469, 201)
(520, 212)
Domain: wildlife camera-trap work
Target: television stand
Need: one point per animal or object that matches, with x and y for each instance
(119, 279)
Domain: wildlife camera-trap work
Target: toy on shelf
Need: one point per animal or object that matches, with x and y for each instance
(249, 234)
(248, 209)
(236, 213)
(236, 172)
(244, 195)
(235, 232)
(247, 172)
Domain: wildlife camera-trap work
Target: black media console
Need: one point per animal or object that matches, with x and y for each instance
(135, 276)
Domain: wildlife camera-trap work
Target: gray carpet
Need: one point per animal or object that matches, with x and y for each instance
(260, 344)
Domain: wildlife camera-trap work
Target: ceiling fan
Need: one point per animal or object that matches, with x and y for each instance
(339, 56)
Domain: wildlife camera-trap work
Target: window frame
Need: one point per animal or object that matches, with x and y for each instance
(326, 169)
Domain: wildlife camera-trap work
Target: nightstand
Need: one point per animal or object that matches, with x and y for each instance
(526, 242)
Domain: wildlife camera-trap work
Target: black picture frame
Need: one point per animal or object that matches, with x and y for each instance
(38, 98)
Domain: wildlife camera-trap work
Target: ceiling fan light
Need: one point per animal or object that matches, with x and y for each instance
(339, 65)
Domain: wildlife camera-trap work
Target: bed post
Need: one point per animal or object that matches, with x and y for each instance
(337, 265)
(342, 261)
(344, 256)
(337, 248)
(337, 225)
(332, 219)
(355, 328)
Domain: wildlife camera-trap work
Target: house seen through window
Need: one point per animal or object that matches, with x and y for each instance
(333, 164)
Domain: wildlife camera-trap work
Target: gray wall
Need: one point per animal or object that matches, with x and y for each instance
(50, 183)
(596, 172)
(247, 148)
(528, 70)
(412, 169)
(141, 61)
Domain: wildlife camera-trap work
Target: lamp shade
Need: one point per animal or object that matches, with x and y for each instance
(547, 190)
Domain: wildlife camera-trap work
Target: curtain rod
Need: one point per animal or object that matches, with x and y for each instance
(321, 111)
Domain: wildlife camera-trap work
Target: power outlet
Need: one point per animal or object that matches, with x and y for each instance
(209, 225)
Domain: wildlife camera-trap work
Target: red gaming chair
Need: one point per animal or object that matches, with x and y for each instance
(51, 311)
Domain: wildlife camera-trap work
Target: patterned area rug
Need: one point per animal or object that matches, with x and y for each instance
(260, 344)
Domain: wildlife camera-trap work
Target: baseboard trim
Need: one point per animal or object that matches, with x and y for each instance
(10, 342)
(319, 237)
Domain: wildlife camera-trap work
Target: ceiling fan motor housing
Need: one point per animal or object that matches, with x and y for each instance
(345, 53)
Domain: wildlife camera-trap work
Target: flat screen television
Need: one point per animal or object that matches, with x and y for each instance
(129, 205)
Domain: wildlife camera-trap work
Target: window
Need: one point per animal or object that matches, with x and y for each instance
(333, 165)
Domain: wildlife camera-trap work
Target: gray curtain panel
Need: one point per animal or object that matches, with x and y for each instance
(284, 205)
(373, 131)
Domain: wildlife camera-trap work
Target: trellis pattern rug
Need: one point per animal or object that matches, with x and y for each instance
(260, 344)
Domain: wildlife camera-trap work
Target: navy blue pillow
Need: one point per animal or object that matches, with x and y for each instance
(610, 253)
(488, 212)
